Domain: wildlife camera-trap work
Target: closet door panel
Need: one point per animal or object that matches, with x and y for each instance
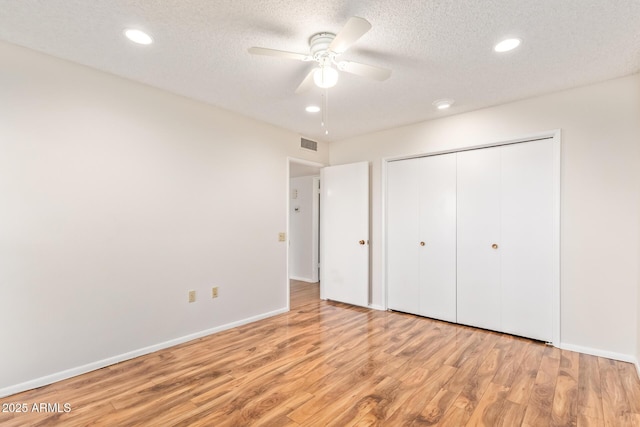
(478, 285)
(403, 178)
(527, 239)
(438, 232)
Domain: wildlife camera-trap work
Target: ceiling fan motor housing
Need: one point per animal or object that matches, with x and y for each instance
(319, 47)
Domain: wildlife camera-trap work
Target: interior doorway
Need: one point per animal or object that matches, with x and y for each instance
(303, 223)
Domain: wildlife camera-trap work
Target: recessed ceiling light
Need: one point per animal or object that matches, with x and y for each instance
(312, 109)
(507, 45)
(138, 36)
(443, 104)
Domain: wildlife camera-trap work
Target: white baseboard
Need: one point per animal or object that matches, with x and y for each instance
(303, 279)
(63, 375)
(377, 307)
(602, 353)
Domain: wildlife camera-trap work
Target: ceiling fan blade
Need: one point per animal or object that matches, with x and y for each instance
(354, 29)
(307, 83)
(279, 53)
(376, 73)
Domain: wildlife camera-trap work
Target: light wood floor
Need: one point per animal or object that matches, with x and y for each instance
(326, 363)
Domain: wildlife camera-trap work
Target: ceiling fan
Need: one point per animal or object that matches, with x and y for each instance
(324, 49)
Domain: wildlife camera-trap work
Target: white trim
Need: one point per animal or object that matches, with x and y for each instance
(555, 135)
(530, 137)
(79, 370)
(383, 235)
(601, 353)
(305, 162)
(315, 233)
(377, 307)
(303, 279)
(555, 286)
(288, 207)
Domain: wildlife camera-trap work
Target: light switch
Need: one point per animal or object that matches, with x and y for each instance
(282, 237)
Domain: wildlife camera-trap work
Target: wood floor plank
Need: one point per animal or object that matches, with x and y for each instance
(436, 408)
(513, 352)
(589, 391)
(538, 411)
(615, 406)
(564, 411)
(334, 401)
(526, 373)
(469, 398)
(585, 421)
(467, 371)
(487, 411)
(420, 394)
(331, 364)
(374, 405)
(629, 379)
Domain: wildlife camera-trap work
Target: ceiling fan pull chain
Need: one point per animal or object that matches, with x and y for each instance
(325, 111)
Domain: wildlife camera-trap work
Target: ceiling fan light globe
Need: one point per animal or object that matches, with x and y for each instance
(325, 77)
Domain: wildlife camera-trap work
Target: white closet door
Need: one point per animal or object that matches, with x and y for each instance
(479, 295)
(438, 233)
(403, 180)
(527, 239)
(344, 233)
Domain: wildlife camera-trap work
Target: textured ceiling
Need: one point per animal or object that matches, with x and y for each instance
(436, 49)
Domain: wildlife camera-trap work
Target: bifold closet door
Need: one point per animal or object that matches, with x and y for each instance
(505, 238)
(421, 230)
(437, 246)
(403, 183)
(527, 260)
(479, 290)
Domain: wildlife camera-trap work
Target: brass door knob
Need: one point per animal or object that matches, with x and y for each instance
(494, 246)
(422, 243)
(361, 242)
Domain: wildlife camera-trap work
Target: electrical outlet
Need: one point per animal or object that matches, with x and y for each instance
(282, 237)
(214, 292)
(192, 296)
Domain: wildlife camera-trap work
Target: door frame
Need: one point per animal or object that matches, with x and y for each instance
(288, 206)
(554, 135)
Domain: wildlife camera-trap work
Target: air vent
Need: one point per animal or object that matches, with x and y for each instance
(308, 144)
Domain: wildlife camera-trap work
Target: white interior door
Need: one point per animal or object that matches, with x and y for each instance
(479, 292)
(344, 233)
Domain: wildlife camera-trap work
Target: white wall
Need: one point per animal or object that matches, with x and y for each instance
(116, 199)
(600, 198)
(302, 244)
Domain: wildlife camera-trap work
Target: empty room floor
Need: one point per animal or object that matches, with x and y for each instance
(326, 363)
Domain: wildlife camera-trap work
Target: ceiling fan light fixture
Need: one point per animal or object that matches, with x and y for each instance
(507, 45)
(138, 36)
(325, 77)
(443, 104)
